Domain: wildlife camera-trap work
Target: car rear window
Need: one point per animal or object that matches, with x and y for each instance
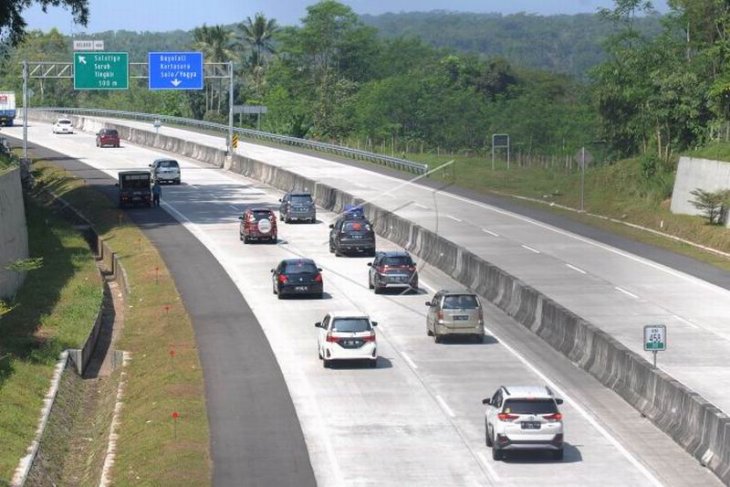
(530, 406)
(398, 260)
(111, 132)
(301, 199)
(460, 301)
(352, 325)
(64, 122)
(168, 164)
(258, 215)
(300, 268)
(356, 226)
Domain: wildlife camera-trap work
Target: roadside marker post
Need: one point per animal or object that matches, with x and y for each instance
(655, 339)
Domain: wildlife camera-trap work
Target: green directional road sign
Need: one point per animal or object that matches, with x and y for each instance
(101, 70)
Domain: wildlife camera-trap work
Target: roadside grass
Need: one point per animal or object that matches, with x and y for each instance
(716, 151)
(150, 450)
(54, 310)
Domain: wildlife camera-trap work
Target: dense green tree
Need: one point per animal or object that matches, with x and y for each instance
(215, 43)
(13, 25)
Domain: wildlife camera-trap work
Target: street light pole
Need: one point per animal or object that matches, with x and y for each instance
(230, 108)
(25, 110)
(582, 175)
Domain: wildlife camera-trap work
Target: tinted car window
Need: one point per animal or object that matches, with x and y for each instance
(351, 325)
(463, 301)
(168, 164)
(398, 260)
(300, 268)
(64, 122)
(356, 226)
(530, 406)
(258, 215)
(301, 199)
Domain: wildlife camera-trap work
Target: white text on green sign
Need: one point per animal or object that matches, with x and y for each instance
(101, 71)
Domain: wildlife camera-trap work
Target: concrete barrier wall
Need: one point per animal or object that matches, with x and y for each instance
(13, 232)
(695, 424)
(695, 173)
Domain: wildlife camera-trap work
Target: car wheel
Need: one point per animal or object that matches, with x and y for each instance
(378, 289)
(117, 145)
(279, 295)
(373, 363)
(436, 337)
(320, 296)
(246, 239)
(477, 339)
(240, 236)
(429, 332)
(370, 284)
(273, 239)
(558, 454)
(497, 454)
(177, 181)
(487, 436)
(337, 252)
(319, 353)
(325, 363)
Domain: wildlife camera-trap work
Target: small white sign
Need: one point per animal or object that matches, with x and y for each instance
(655, 338)
(88, 45)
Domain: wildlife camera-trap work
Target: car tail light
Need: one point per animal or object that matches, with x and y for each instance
(411, 268)
(440, 315)
(331, 339)
(318, 278)
(369, 338)
(507, 417)
(283, 279)
(553, 417)
(382, 269)
(481, 314)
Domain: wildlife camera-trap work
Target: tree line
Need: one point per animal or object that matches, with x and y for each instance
(335, 77)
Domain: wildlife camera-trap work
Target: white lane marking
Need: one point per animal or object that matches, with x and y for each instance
(408, 359)
(488, 466)
(624, 291)
(601, 430)
(234, 208)
(445, 406)
(423, 207)
(490, 232)
(576, 269)
(530, 249)
(454, 218)
(683, 320)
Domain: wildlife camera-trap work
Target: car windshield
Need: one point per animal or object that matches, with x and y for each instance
(258, 215)
(530, 406)
(351, 325)
(397, 260)
(301, 199)
(462, 301)
(300, 268)
(168, 164)
(356, 226)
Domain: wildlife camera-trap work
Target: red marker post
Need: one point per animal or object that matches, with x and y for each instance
(175, 415)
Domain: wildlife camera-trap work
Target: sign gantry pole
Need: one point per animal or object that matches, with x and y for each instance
(230, 108)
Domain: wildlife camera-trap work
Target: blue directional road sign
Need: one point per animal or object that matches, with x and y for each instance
(175, 70)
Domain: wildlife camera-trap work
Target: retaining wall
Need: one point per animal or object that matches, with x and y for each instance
(695, 424)
(693, 173)
(13, 232)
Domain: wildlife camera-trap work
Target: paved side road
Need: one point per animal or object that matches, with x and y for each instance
(256, 438)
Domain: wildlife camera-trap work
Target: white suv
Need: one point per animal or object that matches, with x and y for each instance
(346, 335)
(166, 170)
(524, 418)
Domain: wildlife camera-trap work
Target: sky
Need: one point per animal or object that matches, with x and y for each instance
(165, 15)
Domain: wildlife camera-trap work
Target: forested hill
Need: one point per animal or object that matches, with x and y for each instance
(570, 44)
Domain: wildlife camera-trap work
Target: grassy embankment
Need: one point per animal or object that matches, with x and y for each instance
(150, 450)
(54, 310)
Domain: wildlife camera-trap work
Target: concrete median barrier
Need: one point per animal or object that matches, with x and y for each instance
(695, 424)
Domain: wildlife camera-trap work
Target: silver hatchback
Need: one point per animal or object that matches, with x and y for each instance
(455, 313)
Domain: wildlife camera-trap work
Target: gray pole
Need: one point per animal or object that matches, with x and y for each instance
(509, 143)
(25, 109)
(582, 174)
(229, 145)
(492, 152)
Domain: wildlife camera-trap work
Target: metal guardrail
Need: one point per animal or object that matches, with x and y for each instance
(356, 154)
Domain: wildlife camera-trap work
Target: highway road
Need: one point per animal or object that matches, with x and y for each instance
(417, 418)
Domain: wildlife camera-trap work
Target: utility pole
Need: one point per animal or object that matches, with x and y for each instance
(582, 174)
(230, 108)
(25, 110)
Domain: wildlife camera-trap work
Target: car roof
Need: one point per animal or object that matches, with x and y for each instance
(348, 314)
(535, 392)
(260, 209)
(449, 292)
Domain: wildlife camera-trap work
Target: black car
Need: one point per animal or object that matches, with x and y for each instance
(394, 269)
(352, 235)
(297, 277)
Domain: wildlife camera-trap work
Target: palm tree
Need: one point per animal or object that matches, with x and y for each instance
(215, 44)
(257, 35)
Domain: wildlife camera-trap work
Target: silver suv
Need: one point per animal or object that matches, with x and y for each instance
(297, 206)
(523, 418)
(455, 313)
(165, 170)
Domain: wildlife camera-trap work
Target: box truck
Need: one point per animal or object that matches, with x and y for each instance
(7, 108)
